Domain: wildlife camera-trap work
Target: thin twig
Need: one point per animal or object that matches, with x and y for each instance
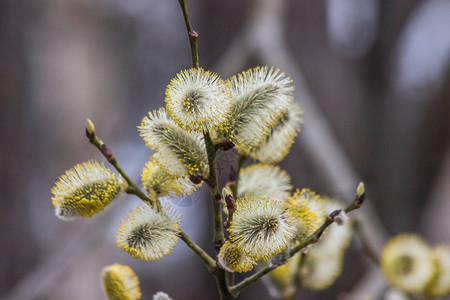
(193, 36)
(209, 261)
(315, 237)
(132, 187)
(135, 190)
(238, 288)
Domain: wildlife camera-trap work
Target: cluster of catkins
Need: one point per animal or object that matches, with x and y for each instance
(255, 113)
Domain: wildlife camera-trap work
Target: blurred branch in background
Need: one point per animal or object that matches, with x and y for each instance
(436, 215)
(39, 282)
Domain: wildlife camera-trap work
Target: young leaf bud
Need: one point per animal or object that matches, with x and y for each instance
(361, 193)
(90, 128)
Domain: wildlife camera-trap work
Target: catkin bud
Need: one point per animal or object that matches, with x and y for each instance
(178, 152)
(85, 190)
(408, 264)
(148, 235)
(120, 282)
(261, 227)
(198, 100)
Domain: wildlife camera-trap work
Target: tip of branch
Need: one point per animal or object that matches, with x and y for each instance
(361, 199)
(90, 129)
(361, 191)
(88, 135)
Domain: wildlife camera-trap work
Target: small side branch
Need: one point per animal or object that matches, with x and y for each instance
(135, 190)
(209, 261)
(314, 238)
(108, 154)
(238, 288)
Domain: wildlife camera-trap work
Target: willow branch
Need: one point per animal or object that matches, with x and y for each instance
(193, 36)
(210, 148)
(314, 238)
(238, 288)
(135, 190)
(107, 153)
(209, 261)
(218, 272)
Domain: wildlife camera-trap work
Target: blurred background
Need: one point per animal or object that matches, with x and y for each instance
(372, 76)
